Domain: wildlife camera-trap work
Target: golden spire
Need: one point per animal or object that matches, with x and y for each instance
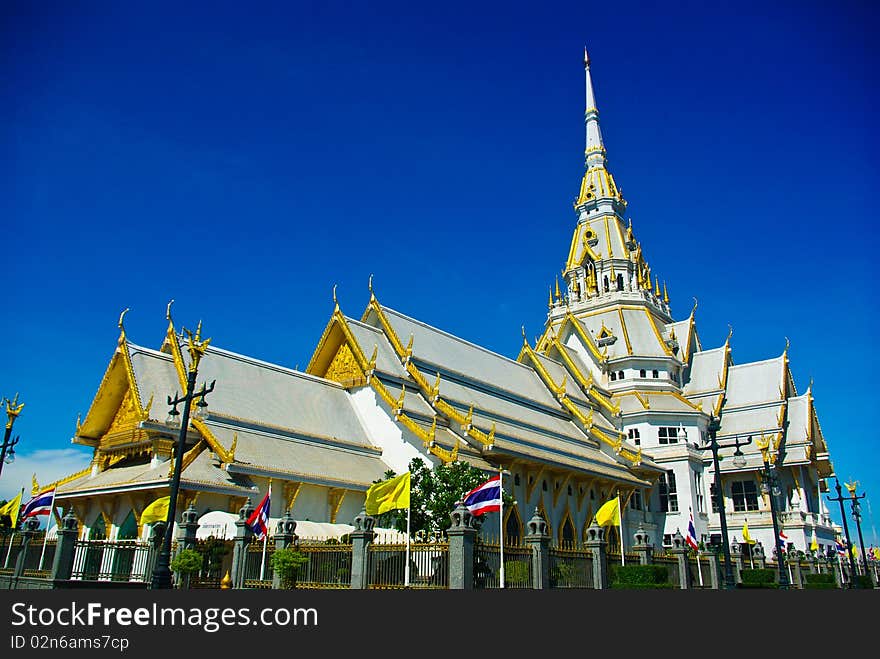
(550, 299)
(657, 286)
(558, 294)
(665, 294)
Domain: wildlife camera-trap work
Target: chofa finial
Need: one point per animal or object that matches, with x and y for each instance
(168, 310)
(370, 283)
(121, 317)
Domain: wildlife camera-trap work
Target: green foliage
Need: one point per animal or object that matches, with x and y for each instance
(639, 576)
(758, 578)
(433, 495)
(187, 561)
(563, 573)
(213, 550)
(824, 581)
(863, 581)
(516, 573)
(286, 563)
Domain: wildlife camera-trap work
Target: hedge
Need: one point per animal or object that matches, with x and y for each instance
(639, 576)
(758, 578)
(815, 581)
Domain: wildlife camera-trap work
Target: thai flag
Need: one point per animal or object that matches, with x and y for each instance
(841, 548)
(39, 505)
(259, 519)
(691, 538)
(485, 498)
(783, 540)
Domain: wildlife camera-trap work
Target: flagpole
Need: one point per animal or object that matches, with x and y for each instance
(266, 534)
(501, 524)
(620, 529)
(406, 567)
(12, 535)
(46, 533)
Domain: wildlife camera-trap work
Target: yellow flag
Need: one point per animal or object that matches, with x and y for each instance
(814, 543)
(156, 511)
(609, 513)
(12, 508)
(746, 537)
(388, 495)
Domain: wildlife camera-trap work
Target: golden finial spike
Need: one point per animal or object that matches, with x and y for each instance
(665, 294)
(657, 286)
(550, 299)
(168, 310)
(121, 317)
(558, 294)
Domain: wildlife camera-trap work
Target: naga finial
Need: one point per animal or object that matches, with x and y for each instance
(695, 307)
(335, 301)
(370, 283)
(168, 310)
(729, 332)
(787, 344)
(121, 318)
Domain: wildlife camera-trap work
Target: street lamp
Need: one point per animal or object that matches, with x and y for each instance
(857, 516)
(770, 487)
(852, 561)
(197, 348)
(13, 409)
(713, 445)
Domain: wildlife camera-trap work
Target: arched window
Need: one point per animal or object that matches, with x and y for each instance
(513, 527)
(567, 533)
(128, 529)
(620, 282)
(605, 279)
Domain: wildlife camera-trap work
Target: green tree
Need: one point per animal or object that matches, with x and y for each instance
(433, 495)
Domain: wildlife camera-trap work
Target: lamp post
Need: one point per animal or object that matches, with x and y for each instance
(852, 561)
(714, 445)
(196, 347)
(770, 486)
(13, 409)
(857, 516)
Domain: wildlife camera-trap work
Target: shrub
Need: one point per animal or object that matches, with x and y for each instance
(187, 561)
(516, 573)
(286, 563)
(758, 578)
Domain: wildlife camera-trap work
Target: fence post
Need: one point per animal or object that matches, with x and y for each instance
(760, 556)
(539, 542)
(714, 569)
(680, 551)
(285, 535)
(461, 534)
(736, 556)
(642, 548)
(65, 549)
(186, 533)
(243, 535)
(794, 561)
(361, 538)
(29, 531)
(597, 545)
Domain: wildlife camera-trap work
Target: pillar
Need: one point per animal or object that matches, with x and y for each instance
(461, 534)
(361, 538)
(65, 549)
(539, 542)
(243, 535)
(598, 546)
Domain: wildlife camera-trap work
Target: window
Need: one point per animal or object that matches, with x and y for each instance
(668, 493)
(698, 487)
(620, 282)
(606, 284)
(620, 375)
(634, 436)
(668, 435)
(613, 376)
(635, 501)
(544, 485)
(713, 495)
(655, 373)
(667, 539)
(516, 479)
(643, 373)
(745, 496)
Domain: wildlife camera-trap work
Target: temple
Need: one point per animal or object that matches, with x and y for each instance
(615, 398)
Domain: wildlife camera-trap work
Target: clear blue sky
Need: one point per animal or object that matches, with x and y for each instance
(243, 160)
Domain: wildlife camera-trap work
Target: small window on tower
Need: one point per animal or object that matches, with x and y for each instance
(613, 376)
(620, 282)
(655, 373)
(620, 375)
(643, 373)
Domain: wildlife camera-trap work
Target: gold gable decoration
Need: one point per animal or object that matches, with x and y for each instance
(344, 368)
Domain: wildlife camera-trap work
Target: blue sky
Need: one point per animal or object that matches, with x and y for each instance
(243, 161)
